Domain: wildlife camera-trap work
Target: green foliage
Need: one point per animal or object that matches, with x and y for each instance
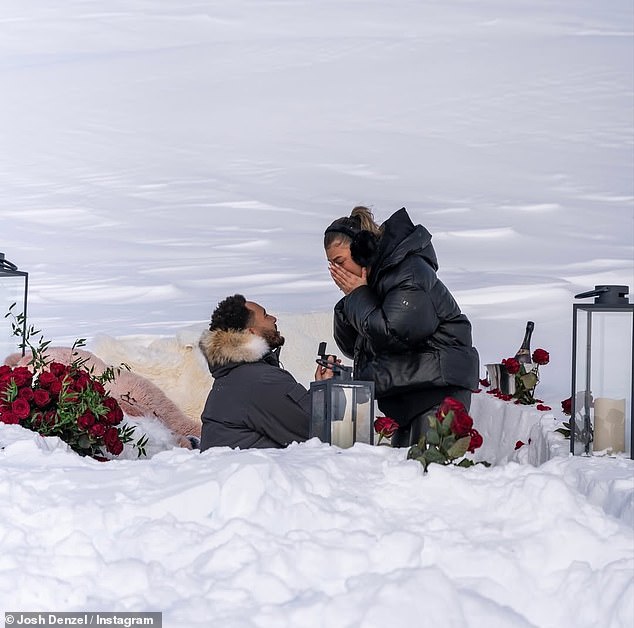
(565, 430)
(459, 448)
(440, 445)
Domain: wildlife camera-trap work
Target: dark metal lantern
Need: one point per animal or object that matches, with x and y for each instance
(342, 408)
(14, 288)
(603, 372)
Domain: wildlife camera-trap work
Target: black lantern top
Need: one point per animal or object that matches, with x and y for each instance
(9, 269)
(6, 265)
(607, 295)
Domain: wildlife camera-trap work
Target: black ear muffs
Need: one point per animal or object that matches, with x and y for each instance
(364, 247)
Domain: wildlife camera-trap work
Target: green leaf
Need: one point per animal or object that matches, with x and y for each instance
(433, 422)
(563, 431)
(83, 442)
(484, 462)
(465, 462)
(140, 445)
(529, 380)
(433, 455)
(424, 462)
(432, 437)
(422, 442)
(459, 448)
(444, 428)
(447, 442)
(414, 452)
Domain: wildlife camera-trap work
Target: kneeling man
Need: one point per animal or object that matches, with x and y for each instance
(253, 401)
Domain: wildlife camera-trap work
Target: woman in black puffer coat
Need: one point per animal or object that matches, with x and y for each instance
(397, 320)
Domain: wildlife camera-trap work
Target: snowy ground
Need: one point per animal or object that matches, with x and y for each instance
(313, 536)
(157, 156)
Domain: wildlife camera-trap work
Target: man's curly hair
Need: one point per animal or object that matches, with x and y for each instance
(230, 313)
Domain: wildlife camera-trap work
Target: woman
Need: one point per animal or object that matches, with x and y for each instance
(397, 320)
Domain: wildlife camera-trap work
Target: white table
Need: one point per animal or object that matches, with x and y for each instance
(502, 424)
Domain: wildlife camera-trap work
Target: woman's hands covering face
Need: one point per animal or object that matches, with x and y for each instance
(345, 280)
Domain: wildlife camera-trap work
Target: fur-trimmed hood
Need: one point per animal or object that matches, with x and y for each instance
(222, 348)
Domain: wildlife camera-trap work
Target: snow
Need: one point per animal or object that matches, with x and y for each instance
(157, 156)
(312, 536)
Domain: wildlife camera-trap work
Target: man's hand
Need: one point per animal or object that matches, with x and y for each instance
(345, 280)
(323, 372)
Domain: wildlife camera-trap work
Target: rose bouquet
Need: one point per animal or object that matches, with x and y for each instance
(449, 437)
(65, 400)
(526, 380)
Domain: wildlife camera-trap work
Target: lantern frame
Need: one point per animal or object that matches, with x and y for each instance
(608, 299)
(331, 407)
(9, 269)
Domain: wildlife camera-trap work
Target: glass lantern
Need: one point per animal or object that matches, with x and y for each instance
(602, 373)
(342, 409)
(14, 286)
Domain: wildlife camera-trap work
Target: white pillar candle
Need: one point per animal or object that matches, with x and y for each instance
(343, 432)
(609, 424)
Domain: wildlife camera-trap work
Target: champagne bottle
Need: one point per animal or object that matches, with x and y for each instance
(523, 355)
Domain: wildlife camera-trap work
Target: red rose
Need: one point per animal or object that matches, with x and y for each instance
(6, 416)
(511, 365)
(26, 392)
(86, 420)
(50, 417)
(115, 447)
(57, 369)
(81, 382)
(5, 371)
(98, 387)
(21, 408)
(111, 437)
(519, 444)
(113, 417)
(540, 356)
(98, 430)
(542, 408)
(461, 424)
(385, 426)
(22, 376)
(110, 403)
(45, 379)
(55, 387)
(485, 382)
(448, 405)
(566, 406)
(476, 440)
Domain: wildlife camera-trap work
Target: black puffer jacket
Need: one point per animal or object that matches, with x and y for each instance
(404, 330)
(253, 402)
